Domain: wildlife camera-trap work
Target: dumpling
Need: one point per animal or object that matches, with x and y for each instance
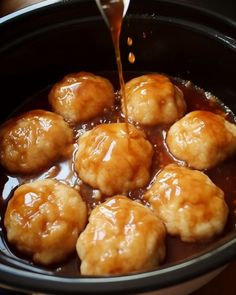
(189, 203)
(33, 141)
(122, 236)
(153, 99)
(44, 219)
(202, 139)
(81, 96)
(113, 161)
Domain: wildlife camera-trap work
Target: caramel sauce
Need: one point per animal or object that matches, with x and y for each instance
(129, 41)
(131, 57)
(114, 13)
(223, 175)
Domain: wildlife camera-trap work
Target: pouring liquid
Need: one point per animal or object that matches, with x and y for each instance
(113, 13)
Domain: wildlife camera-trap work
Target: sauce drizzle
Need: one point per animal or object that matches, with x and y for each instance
(114, 11)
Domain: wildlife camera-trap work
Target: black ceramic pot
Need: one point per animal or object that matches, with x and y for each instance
(40, 44)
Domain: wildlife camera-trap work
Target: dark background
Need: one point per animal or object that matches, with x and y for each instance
(225, 283)
(223, 7)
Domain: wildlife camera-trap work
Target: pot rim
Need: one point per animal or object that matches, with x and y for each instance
(49, 3)
(151, 280)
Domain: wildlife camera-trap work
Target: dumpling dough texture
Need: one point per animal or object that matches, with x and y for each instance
(189, 203)
(122, 236)
(153, 99)
(202, 139)
(34, 141)
(81, 96)
(44, 219)
(108, 160)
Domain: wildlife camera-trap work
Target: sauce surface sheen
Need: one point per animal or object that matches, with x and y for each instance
(223, 175)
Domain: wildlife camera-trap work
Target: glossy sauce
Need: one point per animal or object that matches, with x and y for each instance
(131, 56)
(114, 13)
(129, 41)
(224, 175)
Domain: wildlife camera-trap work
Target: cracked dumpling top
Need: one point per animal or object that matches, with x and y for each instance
(111, 160)
(189, 203)
(81, 96)
(33, 141)
(44, 219)
(122, 236)
(153, 99)
(202, 139)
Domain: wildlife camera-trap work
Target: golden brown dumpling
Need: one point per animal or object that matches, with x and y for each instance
(81, 96)
(189, 203)
(113, 162)
(33, 141)
(202, 139)
(153, 99)
(44, 219)
(122, 236)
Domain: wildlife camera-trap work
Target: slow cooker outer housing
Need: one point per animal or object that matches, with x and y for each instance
(42, 43)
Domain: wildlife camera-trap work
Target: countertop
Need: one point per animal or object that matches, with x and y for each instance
(225, 282)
